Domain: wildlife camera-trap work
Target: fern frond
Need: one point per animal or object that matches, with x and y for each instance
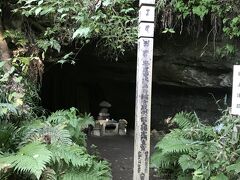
(63, 116)
(70, 117)
(58, 117)
(101, 169)
(55, 134)
(174, 143)
(74, 155)
(80, 175)
(73, 123)
(186, 162)
(234, 167)
(32, 158)
(160, 160)
(49, 174)
(186, 120)
(7, 131)
(86, 120)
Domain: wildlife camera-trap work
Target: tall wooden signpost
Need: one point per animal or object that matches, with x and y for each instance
(143, 90)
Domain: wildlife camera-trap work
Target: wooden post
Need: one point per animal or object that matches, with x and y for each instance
(143, 90)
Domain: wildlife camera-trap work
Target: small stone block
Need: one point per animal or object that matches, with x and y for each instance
(146, 29)
(147, 14)
(109, 132)
(96, 132)
(122, 132)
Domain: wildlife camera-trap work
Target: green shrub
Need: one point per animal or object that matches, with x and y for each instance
(51, 148)
(198, 151)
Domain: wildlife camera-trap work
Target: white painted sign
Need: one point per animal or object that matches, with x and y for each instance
(143, 109)
(146, 29)
(236, 90)
(143, 90)
(148, 2)
(146, 14)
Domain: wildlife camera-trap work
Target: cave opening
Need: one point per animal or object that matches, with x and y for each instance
(92, 80)
(88, 82)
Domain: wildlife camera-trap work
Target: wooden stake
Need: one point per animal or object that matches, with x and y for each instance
(143, 90)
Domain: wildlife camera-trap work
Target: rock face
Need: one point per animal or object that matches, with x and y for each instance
(189, 66)
(187, 77)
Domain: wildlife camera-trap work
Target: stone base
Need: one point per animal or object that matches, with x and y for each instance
(122, 132)
(96, 132)
(109, 129)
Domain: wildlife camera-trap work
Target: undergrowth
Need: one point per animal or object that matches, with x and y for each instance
(197, 151)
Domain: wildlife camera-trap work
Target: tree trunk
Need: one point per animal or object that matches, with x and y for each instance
(4, 51)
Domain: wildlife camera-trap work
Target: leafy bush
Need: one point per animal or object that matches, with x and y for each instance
(224, 17)
(13, 94)
(51, 148)
(111, 25)
(198, 151)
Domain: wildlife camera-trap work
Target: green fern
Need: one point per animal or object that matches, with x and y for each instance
(187, 162)
(73, 123)
(158, 159)
(80, 175)
(49, 174)
(169, 149)
(234, 167)
(174, 143)
(186, 120)
(48, 150)
(32, 158)
(101, 169)
(86, 120)
(201, 151)
(52, 134)
(7, 131)
(72, 155)
(58, 117)
(70, 117)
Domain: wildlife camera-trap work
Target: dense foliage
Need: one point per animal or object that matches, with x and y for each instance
(111, 25)
(217, 21)
(18, 95)
(58, 30)
(33, 146)
(198, 151)
(224, 16)
(47, 149)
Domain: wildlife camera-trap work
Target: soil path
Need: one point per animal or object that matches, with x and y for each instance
(118, 150)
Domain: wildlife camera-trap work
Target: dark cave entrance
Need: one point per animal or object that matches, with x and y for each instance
(92, 80)
(87, 83)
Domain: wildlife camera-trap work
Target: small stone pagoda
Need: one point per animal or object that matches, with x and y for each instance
(104, 126)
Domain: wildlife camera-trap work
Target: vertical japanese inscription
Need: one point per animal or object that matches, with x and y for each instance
(143, 90)
(143, 108)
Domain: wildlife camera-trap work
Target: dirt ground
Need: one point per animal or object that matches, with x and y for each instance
(118, 150)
